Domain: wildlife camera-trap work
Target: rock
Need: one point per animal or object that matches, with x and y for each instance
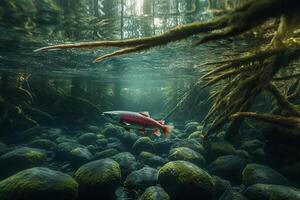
(93, 129)
(19, 159)
(122, 193)
(151, 159)
(127, 162)
(43, 144)
(163, 146)
(154, 193)
(184, 180)
(102, 143)
(220, 148)
(220, 186)
(186, 154)
(254, 173)
(112, 131)
(106, 153)
(143, 144)
(228, 167)
(197, 135)
(191, 127)
(39, 183)
(80, 155)
(190, 143)
(129, 138)
(244, 154)
(87, 138)
(98, 179)
(116, 143)
(274, 192)
(141, 179)
(232, 195)
(252, 145)
(259, 155)
(64, 150)
(63, 139)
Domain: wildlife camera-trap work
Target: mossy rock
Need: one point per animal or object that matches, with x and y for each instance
(151, 159)
(64, 150)
(141, 179)
(186, 154)
(39, 183)
(184, 180)
(127, 162)
(43, 144)
(252, 145)
(190, 143)
(106, 153)
(143, 144)
(228, 167)
(273, 192)
(191, 127)
(220, 148)
(20, 159)
(232, 195)
(196, 135)
(154, 193)
(112, 131)
(98, 179)
(87, 138)
(80, 155)
(254, 173)
(220, 186)
(163, 146)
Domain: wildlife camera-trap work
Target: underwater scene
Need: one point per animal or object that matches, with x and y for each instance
(149, 100)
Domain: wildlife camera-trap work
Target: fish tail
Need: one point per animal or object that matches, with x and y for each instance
(167, 129)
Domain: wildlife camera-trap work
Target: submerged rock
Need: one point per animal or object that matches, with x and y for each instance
(184, 180)
(151, 159)
(141, 179)
(154, 193)
(191, 127)
(190, 143)
(98, 179)
(220, 186)
(252, 145)
(87, 138)
(112, 131)
(106, 153)
(80, 155)
(232, 195)
(127, 162)
(228, 167)
(220, 148)
(254, 173)
(143, 144)
(43, 144)
(163, 146)
(265, 191)
(187, 154)
(21, 158)
(39, 183)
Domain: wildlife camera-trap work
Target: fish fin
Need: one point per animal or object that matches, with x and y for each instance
(167, 130)
(156, 132)
(142, 130)
(146, 114)
(125, 124)
(161, 122)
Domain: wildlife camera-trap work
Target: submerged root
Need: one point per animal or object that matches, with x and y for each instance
(270, 118)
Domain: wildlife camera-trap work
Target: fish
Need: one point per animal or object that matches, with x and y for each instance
(138, 121)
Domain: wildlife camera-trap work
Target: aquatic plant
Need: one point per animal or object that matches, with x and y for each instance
(238, 81)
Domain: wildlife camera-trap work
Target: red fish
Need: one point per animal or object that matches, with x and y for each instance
(137, 120)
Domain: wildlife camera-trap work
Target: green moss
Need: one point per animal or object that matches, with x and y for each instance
(34, 156)
(196, 134)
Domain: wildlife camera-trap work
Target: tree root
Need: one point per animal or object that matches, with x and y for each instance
(270, 118)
